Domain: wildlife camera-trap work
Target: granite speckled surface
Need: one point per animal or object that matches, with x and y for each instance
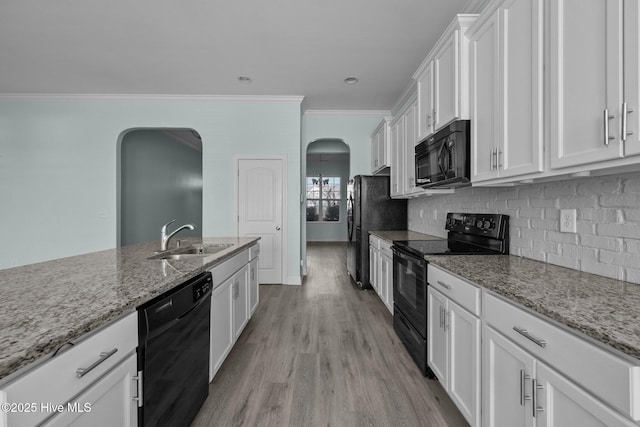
(48, 304)
(403, 235)
(603, 309)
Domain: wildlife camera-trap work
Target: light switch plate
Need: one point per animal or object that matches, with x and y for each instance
(568, 218)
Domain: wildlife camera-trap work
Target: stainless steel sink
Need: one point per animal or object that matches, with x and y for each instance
(202, 249)
(195, 251)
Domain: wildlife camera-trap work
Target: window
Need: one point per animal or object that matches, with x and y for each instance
(323, 198)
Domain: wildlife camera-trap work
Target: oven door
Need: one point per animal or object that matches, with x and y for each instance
(410, 288)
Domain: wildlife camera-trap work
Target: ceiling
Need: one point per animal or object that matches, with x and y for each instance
(200, 47)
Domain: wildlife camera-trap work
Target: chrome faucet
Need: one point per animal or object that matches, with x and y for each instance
(164, 237)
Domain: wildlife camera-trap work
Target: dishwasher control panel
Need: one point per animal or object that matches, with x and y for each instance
(201, 289)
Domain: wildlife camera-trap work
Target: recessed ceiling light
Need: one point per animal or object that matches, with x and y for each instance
(244, 79)
(351, 80)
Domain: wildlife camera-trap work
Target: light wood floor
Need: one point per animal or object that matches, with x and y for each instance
(323, 354)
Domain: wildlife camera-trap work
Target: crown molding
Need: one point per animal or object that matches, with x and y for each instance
(154, 97)
(347, 113)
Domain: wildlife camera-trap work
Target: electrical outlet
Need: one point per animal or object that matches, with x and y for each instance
(568, 220)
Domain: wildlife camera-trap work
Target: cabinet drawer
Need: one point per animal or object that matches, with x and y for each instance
(385, 248)
(55, 381)
(608, 376)
(374, 241)
(254, 251)
(458, 290)
(227, 268)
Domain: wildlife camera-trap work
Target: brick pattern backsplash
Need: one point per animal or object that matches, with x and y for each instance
(607, 241)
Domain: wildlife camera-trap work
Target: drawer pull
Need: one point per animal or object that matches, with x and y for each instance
(444, 285)
(81, 372)
(525, 333)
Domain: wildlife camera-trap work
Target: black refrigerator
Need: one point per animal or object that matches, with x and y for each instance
(369, 208)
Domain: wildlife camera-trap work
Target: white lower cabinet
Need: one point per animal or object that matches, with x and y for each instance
(240, 301)
(381, 269)
(454, 352)
(109, 402)
(543, 398)
(58, 391)
(222, 337)
(254, 295)
(233, 300)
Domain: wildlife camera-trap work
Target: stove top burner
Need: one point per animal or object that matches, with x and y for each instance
(441, 247)
(468, 234)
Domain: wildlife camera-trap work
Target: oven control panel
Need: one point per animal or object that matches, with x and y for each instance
(489, 225)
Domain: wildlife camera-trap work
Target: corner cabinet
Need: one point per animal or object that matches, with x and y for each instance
(506, 53)
(442, 78)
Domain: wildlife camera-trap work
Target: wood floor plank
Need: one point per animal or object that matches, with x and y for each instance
(323, 354)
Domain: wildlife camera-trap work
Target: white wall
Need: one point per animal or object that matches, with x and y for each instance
(607, 241)
(58, 166)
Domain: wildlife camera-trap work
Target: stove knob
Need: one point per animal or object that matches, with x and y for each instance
(479, 224)
(487, 225)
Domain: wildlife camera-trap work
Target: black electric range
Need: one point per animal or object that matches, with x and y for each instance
(468, 234)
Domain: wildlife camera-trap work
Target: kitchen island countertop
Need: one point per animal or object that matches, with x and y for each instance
(605, 310)
(48, 304)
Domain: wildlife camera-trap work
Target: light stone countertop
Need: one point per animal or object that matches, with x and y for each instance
(606, 310)
(392, 236)
(48, 304)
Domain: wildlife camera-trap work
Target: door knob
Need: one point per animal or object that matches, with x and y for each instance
(278, 228)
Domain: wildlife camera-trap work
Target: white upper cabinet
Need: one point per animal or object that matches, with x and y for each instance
(586, 82)
(506, 93)
(380, 147)
(443, 88)
(631, 78)
(397, 157)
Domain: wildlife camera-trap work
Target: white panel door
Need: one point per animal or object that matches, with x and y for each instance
(560, 402)
(632, 75)
(485, 96)
(522, 89)
(464, 361)
(260, 212)
(425, 103)
(446, 90)
(437, 341)
(507, 372)
(586, 81)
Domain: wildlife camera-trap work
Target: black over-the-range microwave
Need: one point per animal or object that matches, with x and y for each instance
(443, 159)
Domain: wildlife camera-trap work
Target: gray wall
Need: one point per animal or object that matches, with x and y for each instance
(161, 180)
(331, 165)
(607, 241)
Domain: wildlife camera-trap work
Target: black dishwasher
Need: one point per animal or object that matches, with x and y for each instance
(174, 353)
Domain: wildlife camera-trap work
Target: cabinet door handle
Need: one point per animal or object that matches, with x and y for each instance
(534, 400)
(441, 321)
(498, 157)
(138, 379)
(81, 372)
(525, 333)
(435, 119)
(491, 159)
(606, 118)
(444, 285)
(523, 395)
(625, 112)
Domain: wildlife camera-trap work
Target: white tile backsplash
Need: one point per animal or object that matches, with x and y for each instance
(607, 241)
